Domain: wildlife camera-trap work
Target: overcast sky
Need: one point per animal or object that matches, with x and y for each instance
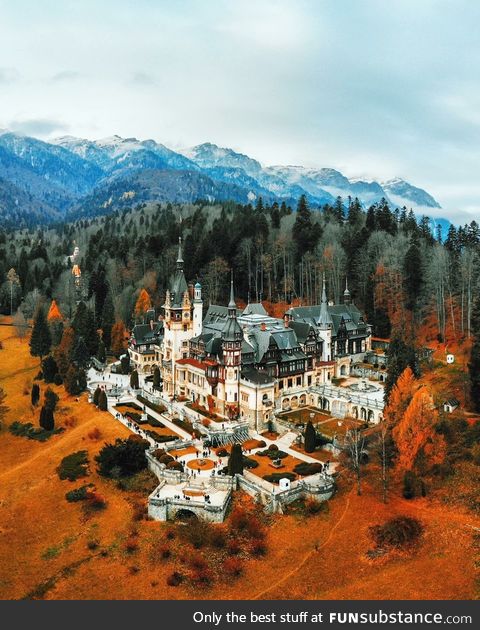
(374, 88)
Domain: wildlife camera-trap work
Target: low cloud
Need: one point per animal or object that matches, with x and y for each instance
(66, 75)
(142, 78)
(8, 75)
(38, 126)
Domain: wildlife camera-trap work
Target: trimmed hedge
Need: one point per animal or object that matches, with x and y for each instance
(275, 477)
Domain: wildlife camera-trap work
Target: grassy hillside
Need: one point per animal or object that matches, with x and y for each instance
(47, 545)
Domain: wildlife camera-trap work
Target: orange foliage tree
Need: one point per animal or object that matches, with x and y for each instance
(400, 397)
(118, 338)
(54, 312)
(63, 352)
(419, 445)
(143, 303)
(389, 295)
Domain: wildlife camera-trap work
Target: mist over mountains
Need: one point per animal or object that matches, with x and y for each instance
(43, 182)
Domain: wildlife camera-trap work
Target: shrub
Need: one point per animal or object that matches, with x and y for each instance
(170, 534)
(95, 502)
(306, 468)
(203, 576)
(233, 567)
(273, 447)
(198, 533)
(312, 506)
(95, 434)
(222, 452)
(125, 458)
(239, 519)
(131, 544)
(261, 444)
(398, 532)
(218, 538)
(79, 494)
(249, 463)
(234, 547)
(93, 544)
(175, 466)
(73, 466)
(26, 429)
(175, 578)
(259, 548)
(166, 459)
(57, 379)
(158, 453)
(164, 552)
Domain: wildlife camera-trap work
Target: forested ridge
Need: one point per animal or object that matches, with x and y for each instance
(398, 271)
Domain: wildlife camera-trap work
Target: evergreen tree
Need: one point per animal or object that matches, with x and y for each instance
(101, 353)
(310, 438)
(50, 399)
(108, 319)
(63, 352)
(96, 396)
(47, 420)
(80, 354)
(235, 461)
(305, 232)
(474, 364)
(102, 401)
(49, 369)
(134, 381)
(84, 326)
(400, 356)
(75, 380)
(156, 378)
(40, 341)
(35, 395)
(413, 275)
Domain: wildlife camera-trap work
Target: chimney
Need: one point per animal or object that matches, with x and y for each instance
(190, 290)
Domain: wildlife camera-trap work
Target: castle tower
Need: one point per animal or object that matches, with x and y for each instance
(232, 336)
(179, 327)
(197, 309)
(325, 325)
(347, 298)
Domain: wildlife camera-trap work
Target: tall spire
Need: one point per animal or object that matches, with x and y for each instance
(346, 293)
(179, 257)
(232, 307)
(325, 319)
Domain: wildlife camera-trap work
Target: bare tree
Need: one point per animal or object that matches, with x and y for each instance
(355, 454)
(20, 324)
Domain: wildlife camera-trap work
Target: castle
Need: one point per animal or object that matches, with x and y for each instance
(246, 365)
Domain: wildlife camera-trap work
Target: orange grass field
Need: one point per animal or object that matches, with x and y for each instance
(44, 540)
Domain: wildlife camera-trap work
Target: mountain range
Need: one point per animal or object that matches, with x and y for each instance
(43, 182)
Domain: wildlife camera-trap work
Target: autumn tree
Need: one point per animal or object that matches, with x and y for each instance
(40, 340)
(55, 322)
(419, 445)
(118, 344)
(143, 304)
(400, 397)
